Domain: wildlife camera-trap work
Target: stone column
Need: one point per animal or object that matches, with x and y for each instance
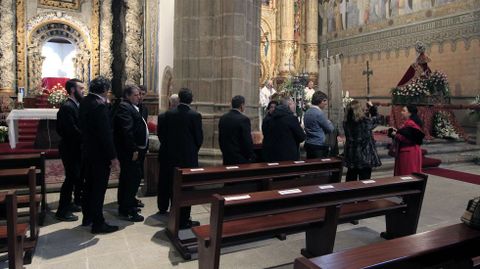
(311, 39)
(217, 56)
(287, 43)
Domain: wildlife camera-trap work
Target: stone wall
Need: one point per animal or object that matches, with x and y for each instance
(451, 33)
(216, 55)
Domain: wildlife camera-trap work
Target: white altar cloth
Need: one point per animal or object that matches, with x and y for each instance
(27, 114)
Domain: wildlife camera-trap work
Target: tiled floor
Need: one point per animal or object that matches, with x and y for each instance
(145, 245)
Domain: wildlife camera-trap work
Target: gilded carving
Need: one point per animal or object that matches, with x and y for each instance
(21, 65)
(134, 41)
(95, 33)
(106, 41)
(65, 4)
(7, 57)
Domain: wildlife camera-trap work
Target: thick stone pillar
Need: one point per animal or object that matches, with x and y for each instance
(216, 55)
(119, 75)
(287, 43)
(311, 39)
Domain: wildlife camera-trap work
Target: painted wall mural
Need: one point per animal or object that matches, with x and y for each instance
(346, 14)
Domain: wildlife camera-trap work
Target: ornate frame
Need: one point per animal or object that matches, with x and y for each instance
(70, 5)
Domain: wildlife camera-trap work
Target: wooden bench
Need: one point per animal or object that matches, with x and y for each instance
(13, 231)
(196, 186)
(453, 246)
(12, 161)
(317, 210)
(21, 178)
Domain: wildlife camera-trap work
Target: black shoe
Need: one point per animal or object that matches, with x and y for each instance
(75, 208)
(136, 209)
(132, 216)
(354, 222)
(189, 224)
(162, 212)
(68, 216)
(139, 203)
(104, 228)
(86, 222)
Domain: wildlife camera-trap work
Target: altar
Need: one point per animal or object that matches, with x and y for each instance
(47, 114)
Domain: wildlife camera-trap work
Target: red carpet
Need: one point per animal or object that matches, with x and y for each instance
(27, 147)
(452, 174)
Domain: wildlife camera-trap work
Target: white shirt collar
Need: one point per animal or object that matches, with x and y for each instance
(101, 97)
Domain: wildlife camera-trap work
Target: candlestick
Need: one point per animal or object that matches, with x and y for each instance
(347, 94)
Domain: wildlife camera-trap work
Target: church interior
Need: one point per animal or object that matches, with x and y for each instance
(386, 55)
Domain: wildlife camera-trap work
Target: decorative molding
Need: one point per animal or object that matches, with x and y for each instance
(106, 38)
(7, 42)
(95, 34)
(43, 34)
(21, 45)
(464, 26)
(49, 17)
(74, 5)
(134, 41)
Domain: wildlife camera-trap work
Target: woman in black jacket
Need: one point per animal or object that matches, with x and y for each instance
(360, 151)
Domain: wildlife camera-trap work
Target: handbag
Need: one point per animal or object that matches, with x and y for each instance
(471, 217)
(392, 149)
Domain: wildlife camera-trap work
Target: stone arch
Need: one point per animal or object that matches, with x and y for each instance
(46, 26)
(167, 88)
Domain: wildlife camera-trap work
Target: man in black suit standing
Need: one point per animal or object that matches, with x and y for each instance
(70, 151)
(180, 131)
(130, 136)
(282, 133)
(235, 134)
(99, 153)
(164, 179)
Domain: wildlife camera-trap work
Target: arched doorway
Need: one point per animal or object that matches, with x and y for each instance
(167, 87)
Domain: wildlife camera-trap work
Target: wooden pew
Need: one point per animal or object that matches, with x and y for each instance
(453, 246)
(12, 161)
(12, 179)
(194, 186)
(314, 209)
(13, 231)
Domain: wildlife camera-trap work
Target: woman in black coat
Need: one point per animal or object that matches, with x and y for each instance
(360, 151)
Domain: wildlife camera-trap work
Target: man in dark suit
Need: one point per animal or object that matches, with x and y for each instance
(180, 131)
(143, 152)
(234, 134)
(130, 136)
(99, 153)
(164, 178)
(282, 133)
(70, 151)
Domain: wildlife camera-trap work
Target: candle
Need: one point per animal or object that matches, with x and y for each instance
(342, 94)
(347, 94)
(20, 95)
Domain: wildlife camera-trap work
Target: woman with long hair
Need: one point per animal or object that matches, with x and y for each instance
(407, 141)
(360, 151)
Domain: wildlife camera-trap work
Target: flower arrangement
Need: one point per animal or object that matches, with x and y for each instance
(38, 91)
(430, 89)
(437, 82)
(475, 113)
(442, 127)
(346, 99)
(57, 97)
(3, 133)
(418, 87)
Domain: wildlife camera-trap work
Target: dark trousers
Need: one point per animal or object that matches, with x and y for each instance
(315, 151)
(129, 181)
(358, 174)
(165, 189)
(96, 182)
(72, 165)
